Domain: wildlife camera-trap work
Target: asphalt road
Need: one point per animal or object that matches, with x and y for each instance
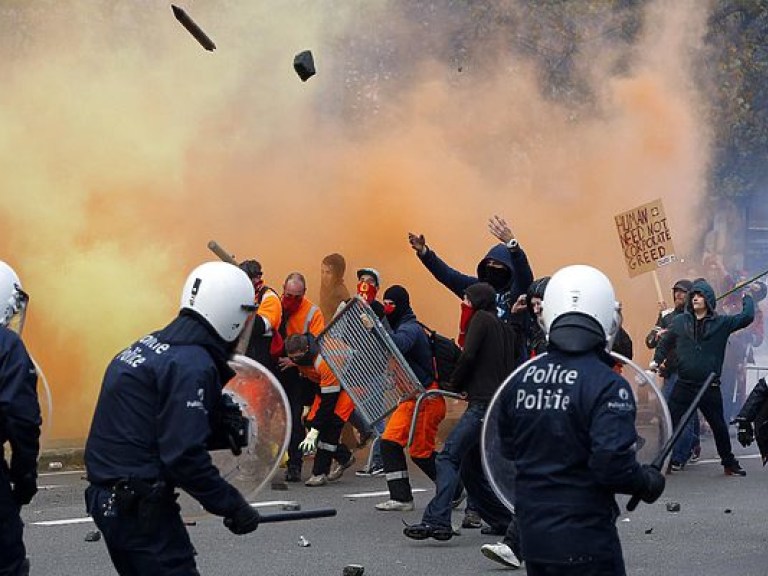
(721, 529)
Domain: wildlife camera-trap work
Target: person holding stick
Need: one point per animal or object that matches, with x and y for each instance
(699, 336)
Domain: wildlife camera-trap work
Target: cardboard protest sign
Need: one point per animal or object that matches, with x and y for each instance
(646, 239)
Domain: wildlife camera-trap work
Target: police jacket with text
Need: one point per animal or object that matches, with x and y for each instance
(700, 344)
(153, 416)
(19, 408)
(567, 421)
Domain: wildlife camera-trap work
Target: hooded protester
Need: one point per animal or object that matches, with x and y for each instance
(699, 336)
(412, 342)
(488, 357)
(505, 267)
(333, 291)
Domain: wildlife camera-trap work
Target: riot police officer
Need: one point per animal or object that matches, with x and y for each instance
(19, 425)
(567, 422)
(153, 426)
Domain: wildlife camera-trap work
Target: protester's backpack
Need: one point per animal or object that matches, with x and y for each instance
(445, 355)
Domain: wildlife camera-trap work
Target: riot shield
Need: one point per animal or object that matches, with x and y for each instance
(653, 424)
(262, 401)
(45, 399)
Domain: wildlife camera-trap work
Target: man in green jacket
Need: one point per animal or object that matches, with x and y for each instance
(699, 336)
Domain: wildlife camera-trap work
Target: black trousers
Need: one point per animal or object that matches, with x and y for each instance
(711, 407)
(295, 389)
(164, 549)
(12, 552)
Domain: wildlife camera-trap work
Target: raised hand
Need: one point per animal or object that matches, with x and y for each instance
(500, 229)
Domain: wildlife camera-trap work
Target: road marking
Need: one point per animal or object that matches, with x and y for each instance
(67, 521)
(717, 460)
(62, 473)
(377, 494)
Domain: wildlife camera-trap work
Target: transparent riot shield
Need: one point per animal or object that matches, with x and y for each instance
(261, 399)
(653, 424)
(45, 399)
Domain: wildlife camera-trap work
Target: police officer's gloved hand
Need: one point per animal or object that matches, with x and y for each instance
(24, 489)
(654, 484)
(244, 520)
(745, 433)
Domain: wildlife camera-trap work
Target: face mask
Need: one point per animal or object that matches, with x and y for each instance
(466, 315)
(367, 291)
(497, 277)
(389, 308)
(291, 303)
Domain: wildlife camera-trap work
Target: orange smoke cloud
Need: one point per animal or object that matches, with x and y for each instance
(128, 147)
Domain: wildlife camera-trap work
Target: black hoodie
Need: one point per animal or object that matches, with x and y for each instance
(490, 349)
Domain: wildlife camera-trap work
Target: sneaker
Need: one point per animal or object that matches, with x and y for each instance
(695, 454)
(471, 520)
(293, 474)
(423, 531)
(676, 466)
(317, 480)
(734, 470)
(502, 554)
(456, 502)
(370, 472)
(395, 506)
(337, 470)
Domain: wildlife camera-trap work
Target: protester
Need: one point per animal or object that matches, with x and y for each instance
(699, 336)
(333, 291)
(412, 342)
(330, 409)
(261, 338)
(300, 316)
(688, 446)
(488, 357)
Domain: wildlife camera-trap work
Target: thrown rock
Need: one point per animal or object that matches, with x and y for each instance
(93, 536)
(673, 506)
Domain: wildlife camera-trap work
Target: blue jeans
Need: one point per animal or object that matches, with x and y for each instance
(460, 460)
(690, 436)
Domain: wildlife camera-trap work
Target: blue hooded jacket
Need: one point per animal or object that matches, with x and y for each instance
(520, 276)
(700, 344)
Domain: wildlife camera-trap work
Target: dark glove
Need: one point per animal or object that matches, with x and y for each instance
(24, 489)
(244, 521)
(654, 484)
(745, 432)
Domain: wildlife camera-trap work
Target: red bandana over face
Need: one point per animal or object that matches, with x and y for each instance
(466, 315)
(367, 291)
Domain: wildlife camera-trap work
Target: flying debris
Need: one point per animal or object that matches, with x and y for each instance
(304, 65)
(193, 28)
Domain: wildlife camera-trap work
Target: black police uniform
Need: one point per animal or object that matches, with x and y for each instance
(148, 436)
(567, 421)
(20, 427)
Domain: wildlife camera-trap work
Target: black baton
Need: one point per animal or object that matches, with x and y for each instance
(658, 462)
(297, 515)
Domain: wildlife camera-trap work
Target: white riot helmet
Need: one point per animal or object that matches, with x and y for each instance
(222, 294)
(13, 300)
(583, 290)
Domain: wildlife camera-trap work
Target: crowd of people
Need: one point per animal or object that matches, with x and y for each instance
(567, 419)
